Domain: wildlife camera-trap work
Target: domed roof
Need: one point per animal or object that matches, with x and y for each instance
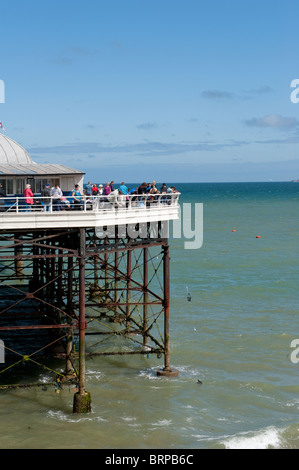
(12, 153)
(15, 161)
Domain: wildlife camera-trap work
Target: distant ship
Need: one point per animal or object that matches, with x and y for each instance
(295, 181)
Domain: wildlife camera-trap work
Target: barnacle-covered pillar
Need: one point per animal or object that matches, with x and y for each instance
(82, 400)
(166, 371)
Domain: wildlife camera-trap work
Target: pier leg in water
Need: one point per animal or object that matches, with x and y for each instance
(166, 371)
(82, 400)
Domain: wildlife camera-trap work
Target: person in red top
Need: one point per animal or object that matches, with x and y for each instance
(94, 190)
(28, 194)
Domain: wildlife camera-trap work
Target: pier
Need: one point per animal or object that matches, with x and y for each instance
(89, 281)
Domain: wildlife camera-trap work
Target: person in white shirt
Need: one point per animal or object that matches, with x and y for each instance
(120, 199)
(56, 194)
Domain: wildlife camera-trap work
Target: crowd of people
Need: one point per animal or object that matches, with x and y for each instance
(54, 199)
(145, 193)
(144, 188)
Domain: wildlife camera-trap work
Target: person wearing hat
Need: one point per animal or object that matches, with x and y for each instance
(46, 197)
(100, 189)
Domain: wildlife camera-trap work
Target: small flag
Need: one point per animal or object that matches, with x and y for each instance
(1, 127)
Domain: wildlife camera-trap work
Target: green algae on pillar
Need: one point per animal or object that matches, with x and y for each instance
(82, 403)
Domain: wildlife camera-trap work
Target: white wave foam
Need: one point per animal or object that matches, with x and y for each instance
(60, 416)
(163, 422)
(128, 418)
(95, 374)
(184, 372)
(149, 374)
(266, 439)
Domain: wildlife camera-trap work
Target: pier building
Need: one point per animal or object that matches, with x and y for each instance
(18, 169)
(89, 280)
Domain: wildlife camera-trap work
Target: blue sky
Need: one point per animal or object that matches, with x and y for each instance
(172, 90)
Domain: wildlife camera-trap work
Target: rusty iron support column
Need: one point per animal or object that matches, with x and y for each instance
(106, 272)
(42, 271)
(128, 298)
(145, 296)
(96, 267)
(47, 278)
(59, 283)
(116, 261)
(167, 371)
(18, 249)
(35, 273)
(70, 311)
(52, 270)
(82, 401)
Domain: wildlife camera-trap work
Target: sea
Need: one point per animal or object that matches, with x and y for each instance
(233, 344)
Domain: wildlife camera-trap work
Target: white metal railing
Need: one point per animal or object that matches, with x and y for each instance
(114, 201)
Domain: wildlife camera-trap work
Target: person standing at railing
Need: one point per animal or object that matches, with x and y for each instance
(94, 190)
(28, 194)
(2, 201)
(123, 188)
(88, 189)
(77, 196)
(107, 189)
(46, 197)
(163, 189)
(2, 192)
(56, 194)
(142, 188)
(154, 189)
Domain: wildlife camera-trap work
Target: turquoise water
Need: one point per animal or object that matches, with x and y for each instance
(234, 336)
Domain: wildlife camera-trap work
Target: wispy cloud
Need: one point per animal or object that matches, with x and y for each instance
(261, 90)
(147, 125)
(116, 45)
(217, 95)
(143, 149)
(148, 149)
(274, 121)
(62, 61)
(82, 51)
(71, 53)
